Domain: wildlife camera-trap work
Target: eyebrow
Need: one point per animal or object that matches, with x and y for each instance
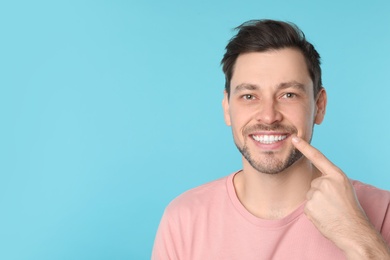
(245, 86)
(292, 84)
(283, 85)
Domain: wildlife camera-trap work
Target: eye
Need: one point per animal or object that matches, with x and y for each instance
(248, 97)
(289, 95)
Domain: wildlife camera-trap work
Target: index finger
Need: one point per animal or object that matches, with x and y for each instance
(315, 156)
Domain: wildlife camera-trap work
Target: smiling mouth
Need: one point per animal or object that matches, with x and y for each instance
(268, 139)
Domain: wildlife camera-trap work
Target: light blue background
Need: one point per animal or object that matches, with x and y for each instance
(110, 109)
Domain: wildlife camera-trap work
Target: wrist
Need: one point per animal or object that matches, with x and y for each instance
(366, 243)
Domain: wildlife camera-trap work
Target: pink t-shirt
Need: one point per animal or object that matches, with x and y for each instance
(209, 222)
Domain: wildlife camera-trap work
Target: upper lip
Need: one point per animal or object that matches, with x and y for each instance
(269, 133)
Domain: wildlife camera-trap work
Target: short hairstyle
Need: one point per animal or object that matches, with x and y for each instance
(264, 35)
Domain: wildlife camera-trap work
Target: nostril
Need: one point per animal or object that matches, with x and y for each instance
(268, 115)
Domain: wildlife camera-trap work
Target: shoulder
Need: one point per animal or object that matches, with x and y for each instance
(376, 204)
(200, 194)
(371, 194)
(199, 199)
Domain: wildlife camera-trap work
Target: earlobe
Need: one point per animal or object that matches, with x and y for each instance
(225, 107)
(321, 106)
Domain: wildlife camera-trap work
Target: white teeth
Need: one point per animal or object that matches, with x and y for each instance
(269, 139)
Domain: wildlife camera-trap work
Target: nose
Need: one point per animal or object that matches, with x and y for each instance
(268, 112)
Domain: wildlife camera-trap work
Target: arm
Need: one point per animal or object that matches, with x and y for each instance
(164, 246)
(333, 208)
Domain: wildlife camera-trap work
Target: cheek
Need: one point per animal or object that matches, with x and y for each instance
(306, 132)
(239, 119)
(234, 115)
(301, 120)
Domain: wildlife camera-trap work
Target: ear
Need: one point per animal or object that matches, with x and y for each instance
(225, 106)
(320, 106)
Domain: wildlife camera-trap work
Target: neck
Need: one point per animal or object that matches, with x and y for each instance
(274, 196)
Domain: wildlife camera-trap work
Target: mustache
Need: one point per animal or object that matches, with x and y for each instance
(275, 128)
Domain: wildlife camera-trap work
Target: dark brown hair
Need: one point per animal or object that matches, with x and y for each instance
(264, 35)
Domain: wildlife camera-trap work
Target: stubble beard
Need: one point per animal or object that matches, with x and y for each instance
(269, 164)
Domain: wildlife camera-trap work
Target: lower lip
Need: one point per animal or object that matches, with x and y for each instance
(272, 146)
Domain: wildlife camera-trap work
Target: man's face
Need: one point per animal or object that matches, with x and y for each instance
(271, 99)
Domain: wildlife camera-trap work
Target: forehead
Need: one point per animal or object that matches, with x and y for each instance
(271, 68)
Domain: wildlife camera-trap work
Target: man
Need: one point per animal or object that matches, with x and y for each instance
(289, 201)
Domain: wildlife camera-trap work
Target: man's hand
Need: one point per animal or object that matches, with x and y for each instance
(333, 207)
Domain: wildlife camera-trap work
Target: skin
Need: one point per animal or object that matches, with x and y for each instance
(272, 94)
(333, 208)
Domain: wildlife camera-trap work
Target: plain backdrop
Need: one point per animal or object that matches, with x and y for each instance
(110, 109)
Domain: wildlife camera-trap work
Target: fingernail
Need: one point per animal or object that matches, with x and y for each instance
(295, 139)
